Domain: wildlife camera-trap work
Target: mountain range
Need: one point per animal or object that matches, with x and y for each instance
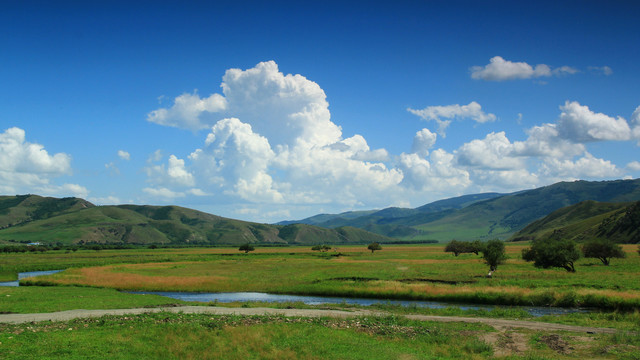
(579, 209)
(480, 216)
(66, 221)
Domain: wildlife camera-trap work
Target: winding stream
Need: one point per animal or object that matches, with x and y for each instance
(316, 300)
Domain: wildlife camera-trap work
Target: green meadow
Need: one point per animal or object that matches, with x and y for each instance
(423, 272)
(413, 272)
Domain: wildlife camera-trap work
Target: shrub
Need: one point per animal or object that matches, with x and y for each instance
(604, 250)
(246, 248)
(546, 253)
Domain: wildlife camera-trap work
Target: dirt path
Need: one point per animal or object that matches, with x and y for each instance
(499, 324)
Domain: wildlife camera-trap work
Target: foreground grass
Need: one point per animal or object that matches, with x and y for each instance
(181, 336)
(61, 298)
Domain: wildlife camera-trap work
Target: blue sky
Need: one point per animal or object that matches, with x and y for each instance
(277, 110)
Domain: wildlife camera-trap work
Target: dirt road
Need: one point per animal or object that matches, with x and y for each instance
(499, 324)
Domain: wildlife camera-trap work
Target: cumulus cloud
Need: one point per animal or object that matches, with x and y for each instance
(236, 158)
(545, 141)
(500, 69)
(495, 151)
(443, 115)
(438, 173)
(124, 155)
(579, 124)
(188, 111)
(26, 166)
(423, 141)
(585, 167)
(274, 147)
(279, 144)
(634, 166)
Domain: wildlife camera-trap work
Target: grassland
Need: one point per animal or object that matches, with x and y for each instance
(185, 336)
(397, 272)
(411, 272)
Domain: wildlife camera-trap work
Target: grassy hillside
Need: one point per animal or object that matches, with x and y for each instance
(74, 221)
(586, 221)
(487, 216)
(501, 217)
(15, 210)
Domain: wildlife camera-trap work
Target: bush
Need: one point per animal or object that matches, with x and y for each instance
(461, 247)
(546, 253)
(604, 250)
(246, 248)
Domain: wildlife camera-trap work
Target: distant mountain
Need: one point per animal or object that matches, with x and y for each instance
(486, 216)
(588, 220)
(31, 218)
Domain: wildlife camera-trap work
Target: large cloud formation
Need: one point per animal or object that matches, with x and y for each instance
(271, 141)
(28, 167)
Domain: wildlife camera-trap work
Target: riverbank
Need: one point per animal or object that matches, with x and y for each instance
(424, 273)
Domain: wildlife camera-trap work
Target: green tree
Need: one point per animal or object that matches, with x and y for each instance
(546, 253)
(602, 249)
(493, 254)
(246, 248)
(322, 248)
(374, 246)
(461, 247)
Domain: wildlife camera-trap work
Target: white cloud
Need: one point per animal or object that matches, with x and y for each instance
(586, 167)
(26, 166)
(236, 158)
(495, 152)
(124, 155)
(500, 69)
(188, 111)
(544, 141)
(279, 145)
(472, 111)
(634, 166)
(437, 173)
(579, 124)
(273, 147)
(174, 173)
(64, 190)
(163, 192)
(423, 141)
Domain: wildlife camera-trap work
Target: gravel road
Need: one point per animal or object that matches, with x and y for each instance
(500, 324)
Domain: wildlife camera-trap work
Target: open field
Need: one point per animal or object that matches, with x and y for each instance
(397, 272)
(412, 272)
(205, 336)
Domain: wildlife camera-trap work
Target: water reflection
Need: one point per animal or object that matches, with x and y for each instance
(318, 300)
(25, 275)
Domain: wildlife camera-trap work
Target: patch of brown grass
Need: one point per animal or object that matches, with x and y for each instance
(104, 276)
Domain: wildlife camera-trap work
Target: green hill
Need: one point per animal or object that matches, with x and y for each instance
(487, 216)
(30, 218)
(586, 221)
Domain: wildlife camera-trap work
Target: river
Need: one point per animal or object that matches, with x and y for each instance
(316, 300)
